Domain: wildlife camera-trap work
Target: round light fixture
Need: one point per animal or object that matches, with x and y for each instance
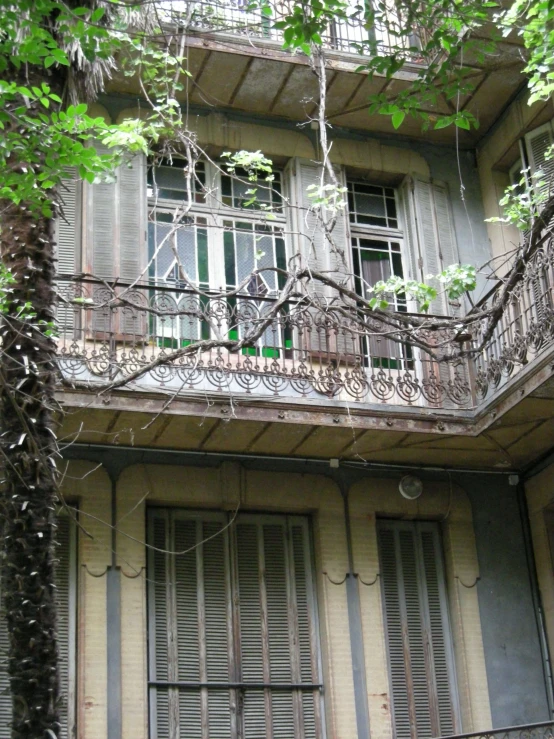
(410, 487)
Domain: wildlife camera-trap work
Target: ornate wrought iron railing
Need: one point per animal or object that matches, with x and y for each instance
(346, 35)
(305, 351)
(542, 730)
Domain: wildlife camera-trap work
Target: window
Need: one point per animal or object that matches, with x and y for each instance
(377, 255)
(66, 592)
(419, 643)
(221, 240)
(232, 628)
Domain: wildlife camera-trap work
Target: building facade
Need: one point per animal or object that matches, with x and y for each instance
(238, 559)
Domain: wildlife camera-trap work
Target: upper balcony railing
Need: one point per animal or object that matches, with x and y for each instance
(346, 35)
(543, 730)
(307, 350)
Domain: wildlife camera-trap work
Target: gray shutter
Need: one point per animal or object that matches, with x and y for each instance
(65, 592)
(275, 592)
(430, 234)
(423, 695)
(5, 697)
(197, 602)
(189, 627)
(65, 596)
(117, 234)
(68, 245)
(131, 180)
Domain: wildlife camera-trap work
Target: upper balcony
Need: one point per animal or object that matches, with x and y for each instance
(315, 365)
(236, 63)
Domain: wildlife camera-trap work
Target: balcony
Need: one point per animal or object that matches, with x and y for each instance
(237, 65)
(543, 730)
(319, 350)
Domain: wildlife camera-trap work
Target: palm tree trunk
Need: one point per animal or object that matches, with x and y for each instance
(28, 496)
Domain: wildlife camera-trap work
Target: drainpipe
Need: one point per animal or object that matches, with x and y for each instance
(536, 595)
(113, 625)
(354, 620)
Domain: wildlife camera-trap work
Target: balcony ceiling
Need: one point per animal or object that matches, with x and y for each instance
(509, 437)
(250, 75)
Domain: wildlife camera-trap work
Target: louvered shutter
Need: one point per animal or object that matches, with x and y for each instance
(319, 254)
(189, 627)
(117, 238)
(65, 596)
(5, 697)
(538, 142)
(198, 601)
(68, 246)
(423, 694)
(429, 231)
(431, 244)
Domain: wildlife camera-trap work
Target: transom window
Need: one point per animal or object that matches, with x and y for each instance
(237, 192)
(168, 181)
(372, 205)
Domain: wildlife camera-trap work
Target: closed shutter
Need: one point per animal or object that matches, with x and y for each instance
(232, 628)
(68, 246)
(423, 694)
(65, 595)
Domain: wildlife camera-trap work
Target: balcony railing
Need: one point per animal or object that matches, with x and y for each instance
(543, 730)
(307, 350)
(346, 35)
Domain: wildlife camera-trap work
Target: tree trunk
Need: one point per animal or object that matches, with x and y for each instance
(28, 496)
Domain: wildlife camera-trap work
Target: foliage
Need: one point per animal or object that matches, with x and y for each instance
(533, 21)
(455, 280)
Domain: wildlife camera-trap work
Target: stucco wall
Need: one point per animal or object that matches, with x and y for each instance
(388, 155)
(510, 634)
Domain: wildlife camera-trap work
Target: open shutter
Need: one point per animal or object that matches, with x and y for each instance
(418, 634)
(65, 596)
(538, 142)
(65, 590)
(117, 239)
(68, 246)
(429, 231)
(5, 697)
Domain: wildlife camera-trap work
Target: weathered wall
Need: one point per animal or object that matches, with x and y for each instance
(540, 493)
(510, 634)
(375, 155)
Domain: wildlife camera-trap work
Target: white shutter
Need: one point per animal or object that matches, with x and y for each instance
(538, 142)
(131, 177)
(68, 245)
(65, 597)
(419, 645)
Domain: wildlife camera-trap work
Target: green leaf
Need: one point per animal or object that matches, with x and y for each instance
(398, 118)
(462, 123)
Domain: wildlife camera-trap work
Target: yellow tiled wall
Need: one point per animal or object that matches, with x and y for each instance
(226, 488)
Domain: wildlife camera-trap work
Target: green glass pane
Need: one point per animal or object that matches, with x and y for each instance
(270, 352)
(229, 247)
(249, 351)
(202, 246)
